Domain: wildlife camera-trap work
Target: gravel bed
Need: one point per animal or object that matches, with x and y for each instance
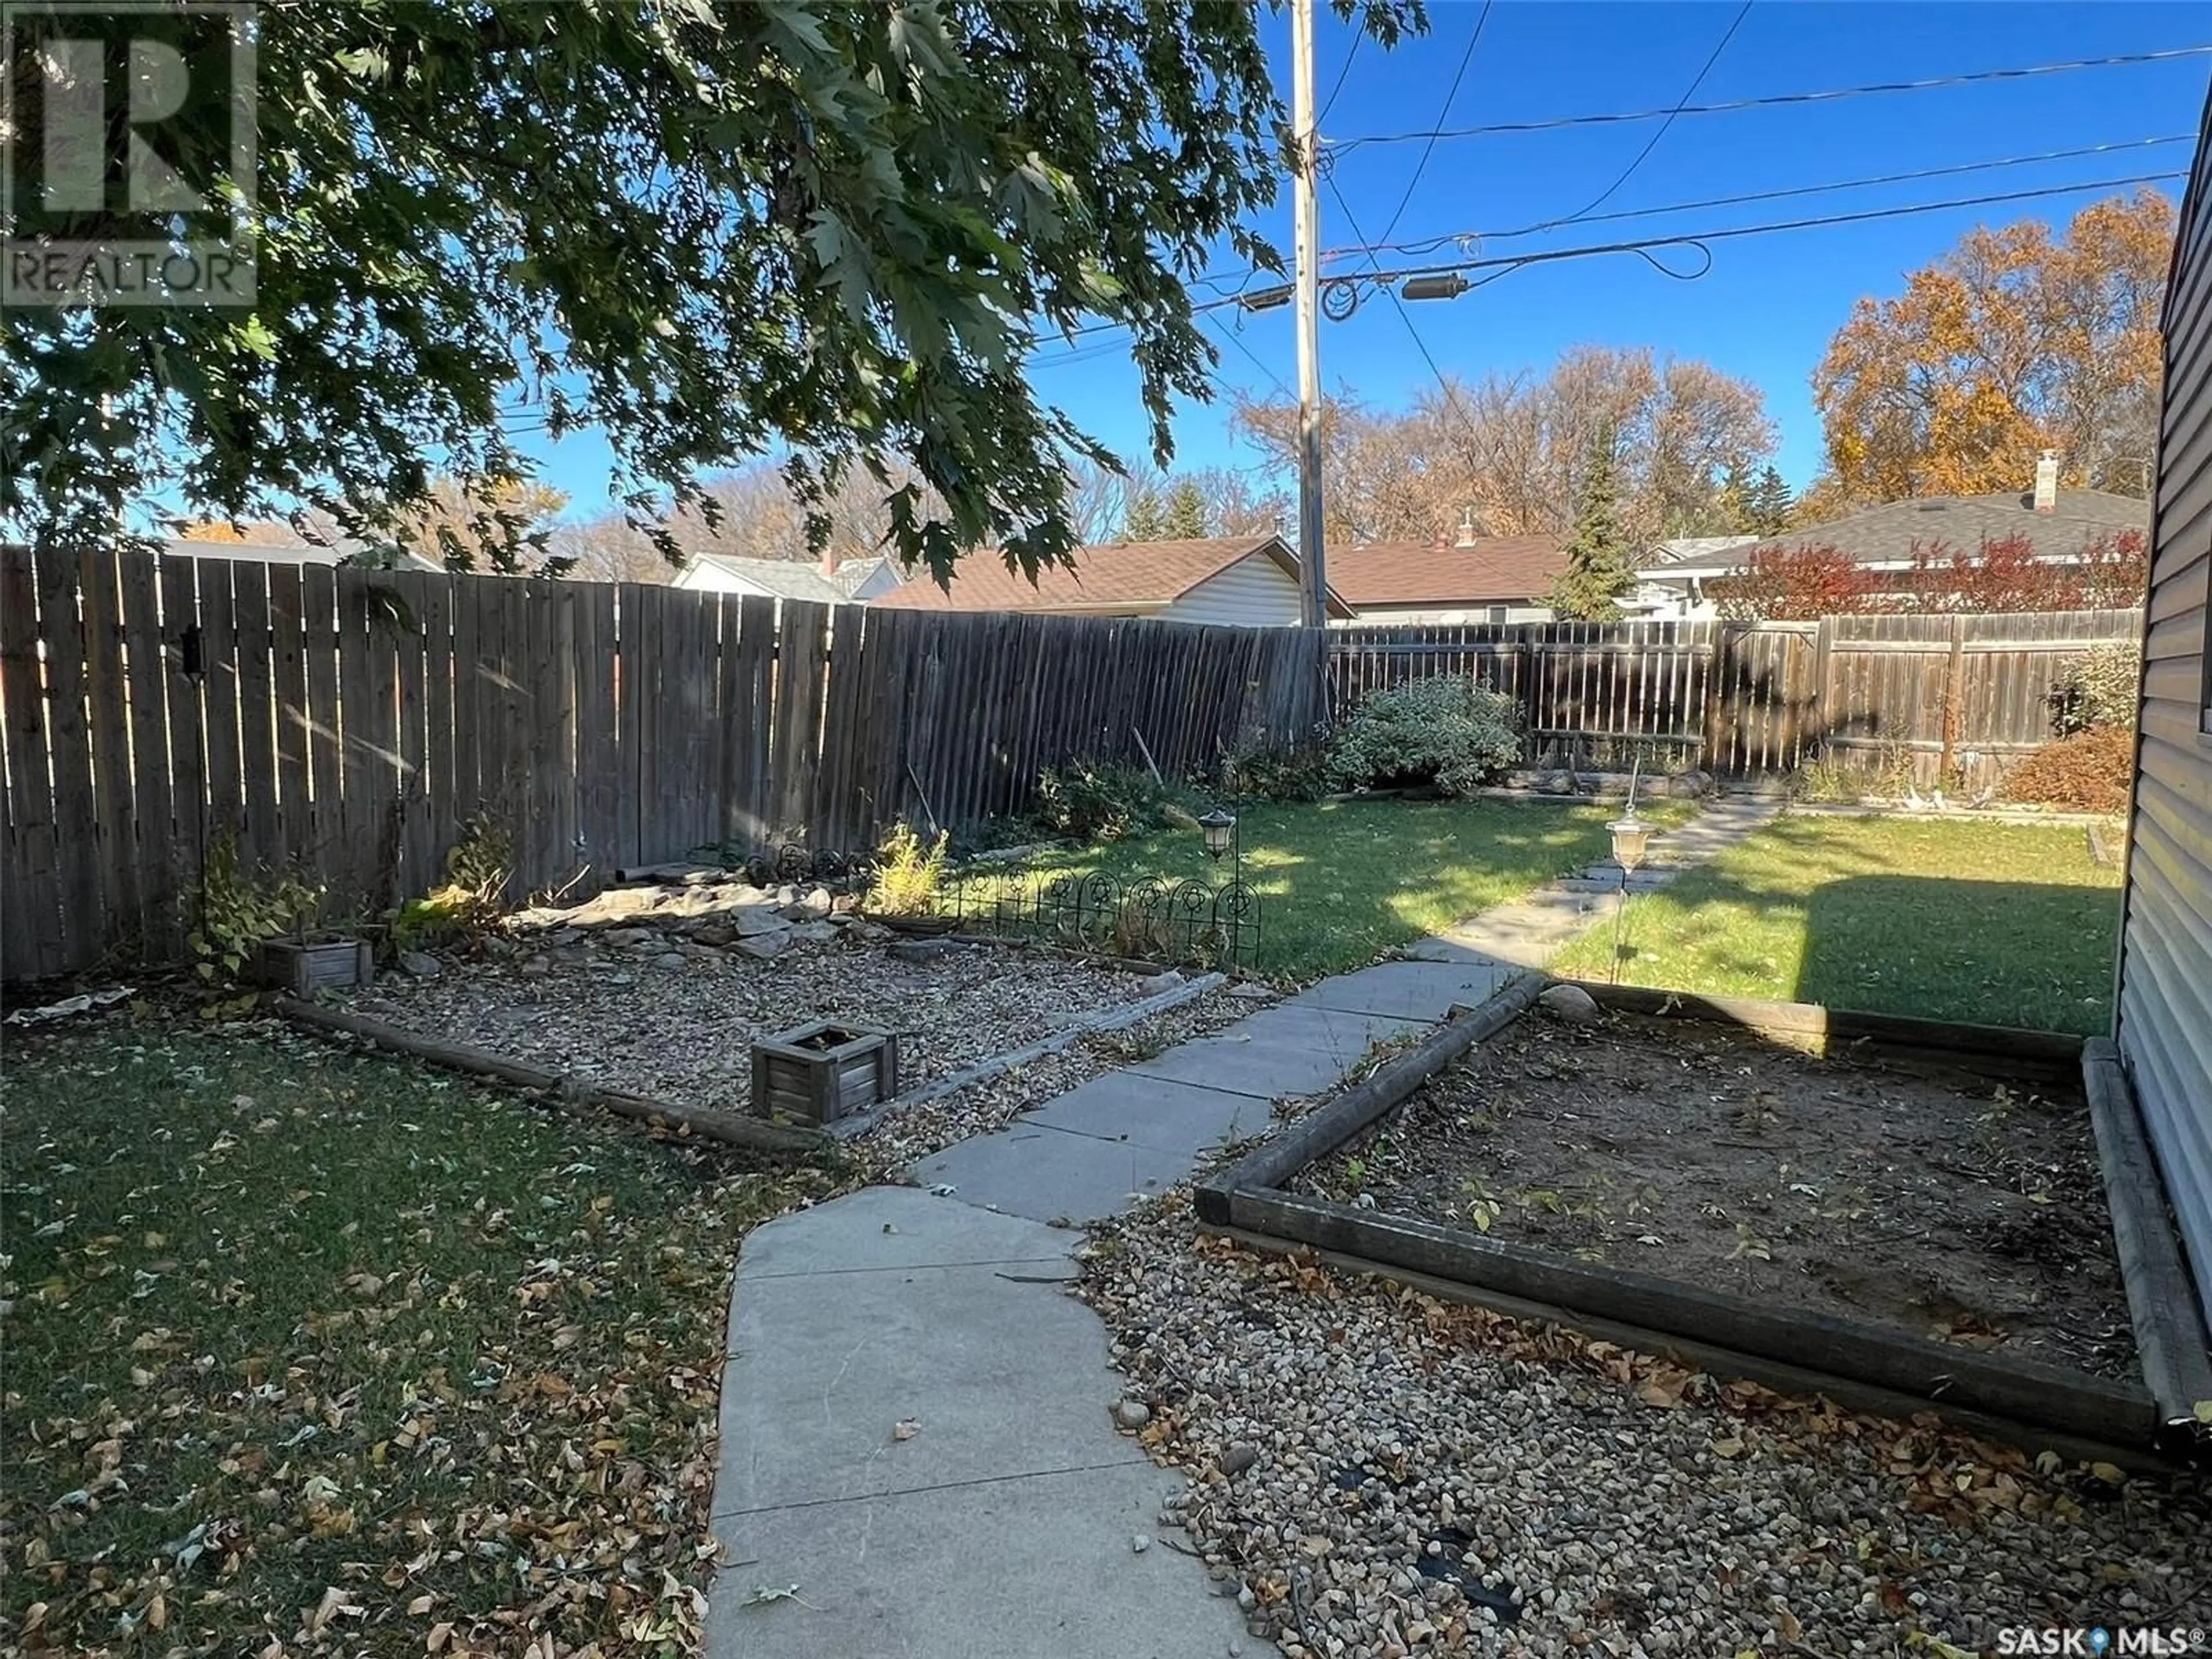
(1377, 1473)
(676, 1020)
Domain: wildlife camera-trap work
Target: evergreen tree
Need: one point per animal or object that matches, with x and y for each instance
(1770, 506)
(1598, 568)
(1186, 514)
(1145, 517)
(1734, 507)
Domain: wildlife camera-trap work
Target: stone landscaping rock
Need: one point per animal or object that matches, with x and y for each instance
(1239, 1458)
(718, 934)
(670, 959)
(421, 963)
(817, 932)
(1571, 1004)
(817, 903)
(925, 949)
(628, 938)
(1251, 990)
(1138, 1543)
(1132, 1413)
(762, 946)
(538, 967)
(756, 918)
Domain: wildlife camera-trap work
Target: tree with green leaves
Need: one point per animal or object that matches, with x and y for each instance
(1186, 514)
(1144, 519)
(1599, 569)
(710, 232)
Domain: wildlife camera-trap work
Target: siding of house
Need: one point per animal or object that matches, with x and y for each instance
(1416, 616)
(2165, 1030)
(1254, 593)
(705, 576)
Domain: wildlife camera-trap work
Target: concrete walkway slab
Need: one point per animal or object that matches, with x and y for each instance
(1002, 1524)
(1180, 1119)
(1280, 1051)
(1050, 1175)
(1406, 990)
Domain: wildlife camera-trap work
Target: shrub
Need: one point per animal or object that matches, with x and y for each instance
(1298, 775)
(2088, 772)
(1091, 801)
(479, 867)
(237, 910)
(2099, 688)
(1452, 733)
(908, 874)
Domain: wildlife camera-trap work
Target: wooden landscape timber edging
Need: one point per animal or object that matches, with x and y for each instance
(2027, 1396)
(1995, 1051)
(1291, 1149)
(2171, 1336)
(731, 1128)
(1781, 1376)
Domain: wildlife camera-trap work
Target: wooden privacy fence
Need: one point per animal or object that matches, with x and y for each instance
(350, 723)
(1730, 696)
(1953, 698)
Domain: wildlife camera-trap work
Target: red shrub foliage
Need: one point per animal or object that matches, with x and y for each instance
(1811, 581)
(2088, 772)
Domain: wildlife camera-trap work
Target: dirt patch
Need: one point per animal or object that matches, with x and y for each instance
(1958, 1209)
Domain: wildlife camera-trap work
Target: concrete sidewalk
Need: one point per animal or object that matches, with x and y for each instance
(1004, 1523)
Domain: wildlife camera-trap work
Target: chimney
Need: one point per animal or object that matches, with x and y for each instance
(829, 561)
(2046, 482)
(1467, 531)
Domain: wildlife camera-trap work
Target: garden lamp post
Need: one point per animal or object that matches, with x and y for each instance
(1219, 829)
(1632, 839)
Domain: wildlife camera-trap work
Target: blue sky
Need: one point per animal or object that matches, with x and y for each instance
(1768, 306)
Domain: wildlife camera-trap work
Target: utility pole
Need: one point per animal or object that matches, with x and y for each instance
(1312, 563)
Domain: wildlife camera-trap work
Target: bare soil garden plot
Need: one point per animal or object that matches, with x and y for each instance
(1966, 1211)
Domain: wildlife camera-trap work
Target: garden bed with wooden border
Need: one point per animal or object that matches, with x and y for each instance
(1858, 1362)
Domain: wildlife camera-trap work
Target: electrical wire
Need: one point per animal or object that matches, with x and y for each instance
(1697, 238)
(1237, 340)
(1329, 103)
(1689, 93)
(1774, 100)
(1429, 244)
(1421, 167)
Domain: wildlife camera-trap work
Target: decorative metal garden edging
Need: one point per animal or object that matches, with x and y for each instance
(1199, 923)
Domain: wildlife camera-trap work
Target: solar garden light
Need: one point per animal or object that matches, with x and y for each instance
(1219, 829)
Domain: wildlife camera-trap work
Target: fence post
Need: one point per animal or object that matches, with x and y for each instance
(1718, 693)
(1954, 697)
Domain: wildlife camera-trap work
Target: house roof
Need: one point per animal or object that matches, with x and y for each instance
(344, 550)
(1490, 570)
(796, 579)
(1678, 548)
(1885, 534)
(1111, 576)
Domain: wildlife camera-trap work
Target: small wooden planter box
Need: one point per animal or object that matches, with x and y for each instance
(823, 1070)
(324, 964)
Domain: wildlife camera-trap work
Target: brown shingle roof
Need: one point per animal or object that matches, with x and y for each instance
(1887, 534)
(1493, 570)
(1116, 576)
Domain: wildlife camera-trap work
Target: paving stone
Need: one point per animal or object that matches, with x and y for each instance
(1048, 1174)
(1406, 990)
(1180, 1119)
(1281, 1052)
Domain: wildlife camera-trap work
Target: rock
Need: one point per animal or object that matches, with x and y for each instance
(1571, 1004)
(1246, 1600)
(421, 963)
(756, 918)
(1138, 1543)
(718, 934)
(498, 949)
(764, 945)
(924, 950)
(817, 904)
(867, 931)
(844, 904)
(561, 936)
(1132, 1413)
(670, 959)
(785, 894)
(619, 979)
(818, 932)
(1163, 981)
(1239, 1458)
(537, 967)
(628, 938)
(1249, 990)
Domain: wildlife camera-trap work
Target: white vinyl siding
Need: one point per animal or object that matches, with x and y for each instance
(1411, 615)
(1254, 593)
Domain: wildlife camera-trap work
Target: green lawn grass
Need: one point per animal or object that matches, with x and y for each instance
(322, 1350)
(1341, 882)
(1987, 924)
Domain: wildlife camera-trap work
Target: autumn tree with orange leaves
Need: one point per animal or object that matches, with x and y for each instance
(2011, 344)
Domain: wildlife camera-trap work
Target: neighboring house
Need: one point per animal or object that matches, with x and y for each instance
(1473, 579)
(2165, 990)
(832, 581)
(1249, 582)
(2059, 522)
(342, 552)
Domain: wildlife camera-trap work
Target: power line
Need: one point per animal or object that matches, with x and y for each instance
(1776, 100)
(1429, 150)
(1237, 340)
(1689, 93)
(1357, 35)
(1697, 238)
(1427, 244)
